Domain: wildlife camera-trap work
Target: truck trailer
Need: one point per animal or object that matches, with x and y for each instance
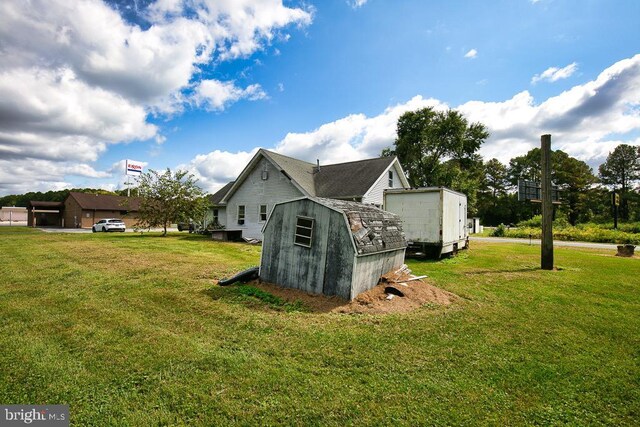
(434, 219)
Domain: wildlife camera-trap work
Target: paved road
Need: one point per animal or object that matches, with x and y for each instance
(537, 242)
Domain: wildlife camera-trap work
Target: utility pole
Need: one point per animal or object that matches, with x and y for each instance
(616, 202)
(547, 206)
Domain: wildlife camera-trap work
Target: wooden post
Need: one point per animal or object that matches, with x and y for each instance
(547, 206)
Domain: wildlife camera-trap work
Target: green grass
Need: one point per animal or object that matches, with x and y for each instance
(129, 330)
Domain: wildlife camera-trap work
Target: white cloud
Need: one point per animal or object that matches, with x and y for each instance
(582, 121)
(76, 77)
(471, 54)
(356, 3)
(216, 95)
(553, 74)
(215, 169)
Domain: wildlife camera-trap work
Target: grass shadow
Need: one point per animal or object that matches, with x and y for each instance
(261, 295)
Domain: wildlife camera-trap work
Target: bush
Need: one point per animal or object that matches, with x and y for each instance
(499, 231)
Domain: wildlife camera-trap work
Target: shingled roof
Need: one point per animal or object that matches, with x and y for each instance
(217, 197)
(373, 229)
(351, 179)
(105, 202)
(341, 180)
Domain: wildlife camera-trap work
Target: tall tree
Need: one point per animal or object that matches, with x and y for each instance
(620, 171)
(496, 178)
(575, 179)
(439, 148)
(167, 198)
(572, 176)
(427, 138)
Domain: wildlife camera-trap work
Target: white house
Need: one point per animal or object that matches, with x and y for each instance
(270, 178)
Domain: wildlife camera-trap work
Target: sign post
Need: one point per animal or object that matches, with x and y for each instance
(132, 168)
(547, 206)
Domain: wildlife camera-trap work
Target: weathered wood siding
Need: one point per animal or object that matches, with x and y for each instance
(375, 195)
(369, 268)
(254, 192)
(324, 268)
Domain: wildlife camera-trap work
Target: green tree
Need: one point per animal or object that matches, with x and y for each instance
(620, 171)
(167, 198)
(573, 177)
(439, 148)
(495, 179)
(426, 138)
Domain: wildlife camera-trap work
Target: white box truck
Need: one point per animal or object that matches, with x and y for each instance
(434, 219)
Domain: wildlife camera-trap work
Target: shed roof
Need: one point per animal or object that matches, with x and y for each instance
(373, 229)
(105, 202)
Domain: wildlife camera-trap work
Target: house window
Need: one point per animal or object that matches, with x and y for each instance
(215, 216)
(263, 213)
(391, 179)
(304, 231)
(240, 214)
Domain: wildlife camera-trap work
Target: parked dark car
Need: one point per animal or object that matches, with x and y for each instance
(186, 226)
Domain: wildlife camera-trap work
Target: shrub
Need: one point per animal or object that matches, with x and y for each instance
(499, 231)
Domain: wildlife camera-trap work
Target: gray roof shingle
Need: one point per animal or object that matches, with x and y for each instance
(373, 229)
(352, 179)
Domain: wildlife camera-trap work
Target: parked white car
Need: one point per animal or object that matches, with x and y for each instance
(109, 224)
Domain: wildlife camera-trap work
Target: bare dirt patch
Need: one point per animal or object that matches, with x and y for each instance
(416, 293)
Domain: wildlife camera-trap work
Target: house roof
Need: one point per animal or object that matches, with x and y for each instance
(42, 204)
(298, 170)
(340, 180)
(217, 197)
(352, 179)
(105, 202)
(373, 229)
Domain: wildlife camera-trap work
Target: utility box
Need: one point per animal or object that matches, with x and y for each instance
(434, 219)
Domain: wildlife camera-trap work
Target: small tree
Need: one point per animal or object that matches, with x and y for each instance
(167, 198)
(620, 171)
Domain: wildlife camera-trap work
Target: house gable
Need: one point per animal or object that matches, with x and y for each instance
(375, 194)
(295, 171)
(263, 186)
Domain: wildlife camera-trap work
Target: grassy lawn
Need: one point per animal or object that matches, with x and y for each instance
(129, 330)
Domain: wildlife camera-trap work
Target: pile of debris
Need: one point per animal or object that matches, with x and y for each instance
(397, 280)
(398, 291)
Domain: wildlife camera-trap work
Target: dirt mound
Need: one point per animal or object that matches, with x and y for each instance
(416, 294)
(397, 292)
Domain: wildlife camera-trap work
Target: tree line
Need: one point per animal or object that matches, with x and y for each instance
(440, 148)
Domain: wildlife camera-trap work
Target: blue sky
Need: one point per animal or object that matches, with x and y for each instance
(201, 84)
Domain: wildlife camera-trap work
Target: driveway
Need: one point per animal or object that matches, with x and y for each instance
(88, 230)
(537, 242)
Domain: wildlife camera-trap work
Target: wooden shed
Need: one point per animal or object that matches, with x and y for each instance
(330, 247)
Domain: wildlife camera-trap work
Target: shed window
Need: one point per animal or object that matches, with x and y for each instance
(304, 231)
(263, 213)
(391, 179)
(241, 215)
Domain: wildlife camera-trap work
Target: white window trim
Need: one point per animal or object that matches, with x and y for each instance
(310, 237)
(266, 212)
(244, 215)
